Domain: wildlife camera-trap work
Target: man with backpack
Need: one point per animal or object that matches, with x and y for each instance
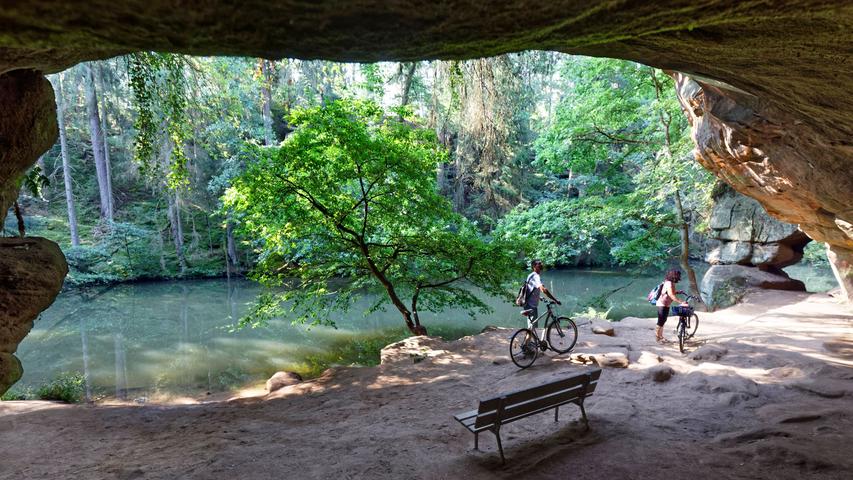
(528, 298)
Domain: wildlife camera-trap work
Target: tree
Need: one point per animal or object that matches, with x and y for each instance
(266, 89)
(98, 145)
(66, 166)
(627, 138)
(348, 205)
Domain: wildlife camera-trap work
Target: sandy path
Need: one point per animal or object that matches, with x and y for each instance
(777, 403)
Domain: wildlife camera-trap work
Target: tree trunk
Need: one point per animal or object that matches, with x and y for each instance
(84, 345)
(174, 214)
(407, 83)
(105, 142)
(66, 165)
(162, 252)
(22, 230)
(97, 145)
(684, 226)
(412, 322)
(121, 365)
(685, 246)
(231, 246)
(266, 91)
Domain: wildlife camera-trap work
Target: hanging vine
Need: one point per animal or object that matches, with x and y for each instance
(159, 86)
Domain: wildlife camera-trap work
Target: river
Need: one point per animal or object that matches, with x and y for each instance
(173, 338)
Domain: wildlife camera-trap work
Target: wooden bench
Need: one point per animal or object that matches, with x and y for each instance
(509, 407)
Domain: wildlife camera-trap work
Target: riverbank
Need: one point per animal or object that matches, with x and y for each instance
(765, 394)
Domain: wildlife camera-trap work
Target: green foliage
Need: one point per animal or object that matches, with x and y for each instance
(34, 181)
(588, 231)
(815, 254)
(374, 84)
(365, 350)
(159, 89)
(16, 394)
(66, 387)
(351, 194)
(592, 313)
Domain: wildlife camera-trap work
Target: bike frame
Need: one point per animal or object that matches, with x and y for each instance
(550, 318)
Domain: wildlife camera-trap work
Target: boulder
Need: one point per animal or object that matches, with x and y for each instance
(647, 359)
(32, 270)
(708, 353)
(602, 328)
(725, 285)
(660, 373)
(282, 379)
(28, 128)
(412, 350)
(720, 382)
(611, 360)
(744, 234)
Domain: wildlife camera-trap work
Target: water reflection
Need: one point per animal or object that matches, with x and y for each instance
(172, 337)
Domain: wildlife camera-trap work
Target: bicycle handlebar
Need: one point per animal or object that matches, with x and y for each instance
(694, 297)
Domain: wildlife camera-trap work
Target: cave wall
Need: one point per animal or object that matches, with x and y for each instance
(32, 269)
(798, 171)
(766, 84)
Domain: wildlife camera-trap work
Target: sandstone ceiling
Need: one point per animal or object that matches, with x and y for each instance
(768, 86)
(776, 49)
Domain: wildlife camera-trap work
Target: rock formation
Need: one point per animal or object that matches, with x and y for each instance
(32, 270)
(744, 234)
(799, 171)
(27, 128)
(769, 99)
(751, 249)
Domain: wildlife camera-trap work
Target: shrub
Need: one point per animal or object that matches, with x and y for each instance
(15, 394)
(815, 254)
(66, 387)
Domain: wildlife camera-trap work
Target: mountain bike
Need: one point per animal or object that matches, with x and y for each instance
(688, 321)
(560, 335)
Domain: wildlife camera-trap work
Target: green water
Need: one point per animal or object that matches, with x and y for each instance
(173, 338)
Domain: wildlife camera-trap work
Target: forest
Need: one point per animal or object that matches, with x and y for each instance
(578, 161)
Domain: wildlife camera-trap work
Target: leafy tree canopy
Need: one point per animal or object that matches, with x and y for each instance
(352, 193)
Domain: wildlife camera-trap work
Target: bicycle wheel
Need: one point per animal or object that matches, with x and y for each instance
(562, 335)
(682, 334)
(692, 325)
(523, 348)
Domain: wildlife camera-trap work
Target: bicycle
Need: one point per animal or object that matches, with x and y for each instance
(561, 334)
(688, 321)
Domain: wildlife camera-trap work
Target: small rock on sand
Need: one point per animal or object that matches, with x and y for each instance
(708, 353)
(612, 360)
(660, 372)
(603, 329)
(282, 379)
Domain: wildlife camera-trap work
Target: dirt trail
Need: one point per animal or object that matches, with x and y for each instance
(767, 392)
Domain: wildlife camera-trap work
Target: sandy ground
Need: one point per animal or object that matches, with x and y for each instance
(767, 392)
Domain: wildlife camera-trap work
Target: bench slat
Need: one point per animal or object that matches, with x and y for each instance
(539, 391)
(521, 409)
(465, 415)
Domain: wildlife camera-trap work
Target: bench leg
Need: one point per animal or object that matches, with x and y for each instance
(583, 412)
(476, 440)
(500, 447)
(556, 414)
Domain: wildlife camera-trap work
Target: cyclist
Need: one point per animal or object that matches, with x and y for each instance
(667, 296)
(534, 287)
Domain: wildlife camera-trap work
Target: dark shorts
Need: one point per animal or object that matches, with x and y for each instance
(663, 312)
